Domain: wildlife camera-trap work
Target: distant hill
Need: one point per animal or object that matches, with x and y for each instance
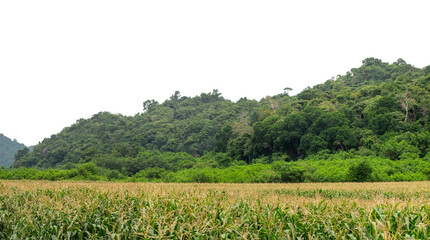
(180, 124)
(378, 109)
(8, 148)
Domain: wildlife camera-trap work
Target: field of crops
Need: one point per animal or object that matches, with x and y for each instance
(90, 210)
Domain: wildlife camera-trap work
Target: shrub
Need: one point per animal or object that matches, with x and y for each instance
(361, 172)
(290, 172)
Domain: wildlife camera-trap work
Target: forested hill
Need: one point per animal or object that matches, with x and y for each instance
(180, 124)
(377, 109)
(8, 149)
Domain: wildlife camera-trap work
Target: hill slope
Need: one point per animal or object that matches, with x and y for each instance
(378, 109)
(180, 124)
(8, 149)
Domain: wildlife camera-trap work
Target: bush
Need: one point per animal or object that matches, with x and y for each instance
(290, 172)
(361, 172)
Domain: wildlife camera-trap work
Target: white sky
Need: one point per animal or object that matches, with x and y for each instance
(65, 60)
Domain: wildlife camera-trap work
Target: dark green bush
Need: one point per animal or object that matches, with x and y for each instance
(361, 172)
(289, 171)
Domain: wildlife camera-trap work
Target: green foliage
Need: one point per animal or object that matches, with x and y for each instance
(9, 148)
(149, 175)
(241, 148)
(377, 113)
(290, 172)
(222, 138)
(320, 167)
(399, 149)
(360, 172)
(180, 124)
(422, 142)
(86, 171)
(311, 144)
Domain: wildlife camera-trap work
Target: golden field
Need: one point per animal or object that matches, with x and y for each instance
(113, 210)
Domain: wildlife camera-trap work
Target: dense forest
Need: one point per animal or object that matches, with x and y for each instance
(8, 149)
(371, 124)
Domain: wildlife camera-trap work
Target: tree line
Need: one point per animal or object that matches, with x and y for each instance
(377, 111)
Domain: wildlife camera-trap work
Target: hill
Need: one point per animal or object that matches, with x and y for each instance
(8, 149)
(378, 109)
(180, 124)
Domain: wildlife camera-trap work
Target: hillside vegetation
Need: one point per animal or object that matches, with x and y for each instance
(8, 148)
(375, 119)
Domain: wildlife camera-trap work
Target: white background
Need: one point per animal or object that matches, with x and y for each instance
(65, 60)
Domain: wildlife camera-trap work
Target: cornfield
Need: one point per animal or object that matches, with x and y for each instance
(97, 210)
